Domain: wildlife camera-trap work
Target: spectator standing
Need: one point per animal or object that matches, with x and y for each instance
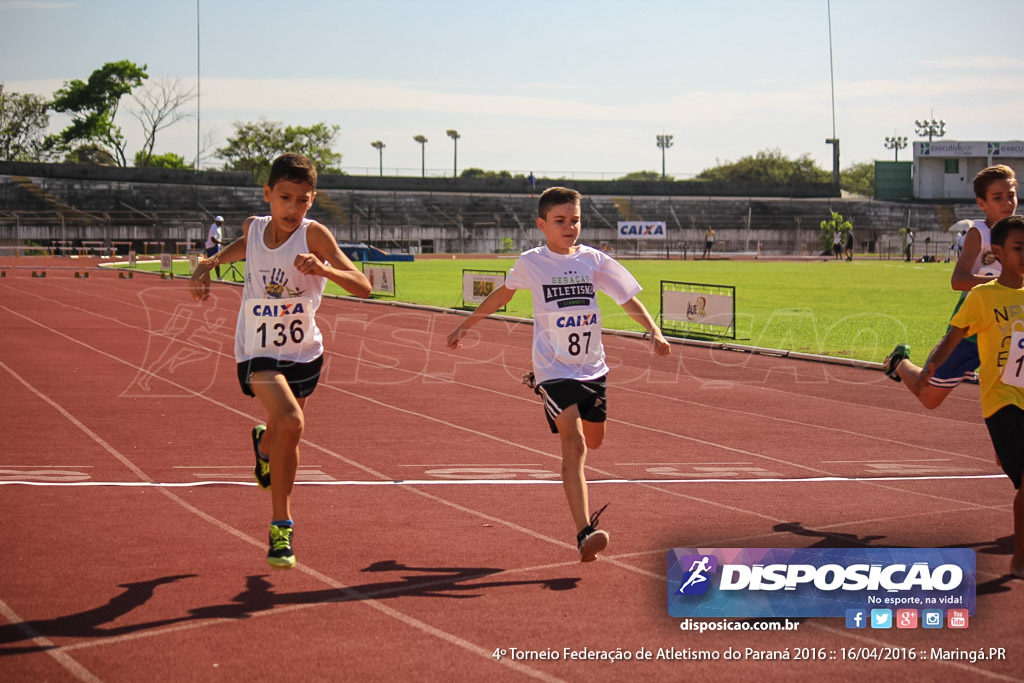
(214, 238)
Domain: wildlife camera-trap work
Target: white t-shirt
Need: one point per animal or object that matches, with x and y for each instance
(213, 234)
(566, 318)
(276, 318)
(985, 263)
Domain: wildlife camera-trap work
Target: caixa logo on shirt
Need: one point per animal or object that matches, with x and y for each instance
(805, 582)
(581, 320)
(277, 310)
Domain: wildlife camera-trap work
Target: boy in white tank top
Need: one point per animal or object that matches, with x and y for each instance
(278, 347)
(996, 190)
(568, 357)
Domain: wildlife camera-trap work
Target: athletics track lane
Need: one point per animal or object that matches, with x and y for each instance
(429, 541)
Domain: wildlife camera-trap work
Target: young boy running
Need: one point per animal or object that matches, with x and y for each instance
(278, 346)
(569, 367)
(994, 311)
(996, 190)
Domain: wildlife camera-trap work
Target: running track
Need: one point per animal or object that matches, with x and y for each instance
(431, 527)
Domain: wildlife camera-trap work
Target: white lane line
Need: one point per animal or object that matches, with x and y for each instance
(501, 482)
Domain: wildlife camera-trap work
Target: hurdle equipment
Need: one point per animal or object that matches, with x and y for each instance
(81, 275)
(126, 276)
(41, 273)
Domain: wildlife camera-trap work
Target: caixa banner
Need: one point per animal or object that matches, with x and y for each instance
(644, 230)
(817, 582)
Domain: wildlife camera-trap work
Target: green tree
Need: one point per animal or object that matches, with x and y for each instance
(769, 166)
(256, 144)
(168, 160)
(91, 155)
(836, 223)
(859, 179)
(480, 173)
(644, 176)
(23, 122)
(92, 106)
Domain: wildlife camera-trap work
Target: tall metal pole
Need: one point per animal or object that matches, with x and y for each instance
(198, 89)
(834, 140)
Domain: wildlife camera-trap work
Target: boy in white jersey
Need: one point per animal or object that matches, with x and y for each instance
(994, 311)
(568, 357)
(996, 190)
(278, 346)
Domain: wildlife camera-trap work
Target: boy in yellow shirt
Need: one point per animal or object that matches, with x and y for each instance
(995, 312)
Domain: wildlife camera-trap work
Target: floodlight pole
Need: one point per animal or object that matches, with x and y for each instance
(423, 154)
(454, 135)
(931, 128)
(834, 140)
(664, 142)
(379, 146)
(896, 143)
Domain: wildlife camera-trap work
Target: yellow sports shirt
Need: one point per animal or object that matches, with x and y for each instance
(993, 311)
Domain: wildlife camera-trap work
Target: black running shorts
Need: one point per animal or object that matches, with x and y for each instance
(302, 377)
(589, 396)
(1006, 427)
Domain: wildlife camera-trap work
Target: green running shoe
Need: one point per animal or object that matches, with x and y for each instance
(892, 361)
(280, 555)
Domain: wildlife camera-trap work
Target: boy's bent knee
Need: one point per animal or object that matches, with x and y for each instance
(931, 397)
(290, 426)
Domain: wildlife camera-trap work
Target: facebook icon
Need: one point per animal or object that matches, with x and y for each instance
(856, 618)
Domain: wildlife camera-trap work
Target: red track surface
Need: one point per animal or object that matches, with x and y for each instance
(128, 381)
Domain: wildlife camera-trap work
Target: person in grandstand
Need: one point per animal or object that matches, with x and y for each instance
(569, 368)
(278, 346)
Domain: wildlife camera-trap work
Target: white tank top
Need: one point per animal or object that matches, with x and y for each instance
(985, 263)
(276, 318)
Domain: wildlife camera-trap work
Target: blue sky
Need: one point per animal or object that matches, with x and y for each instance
(562, 87)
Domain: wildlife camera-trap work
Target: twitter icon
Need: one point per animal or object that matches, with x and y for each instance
(881, 618)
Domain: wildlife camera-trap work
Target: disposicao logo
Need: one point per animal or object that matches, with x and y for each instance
(696, 581)
(803, 582)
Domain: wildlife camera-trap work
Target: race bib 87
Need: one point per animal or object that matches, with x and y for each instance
(278, 327)
(575, 336)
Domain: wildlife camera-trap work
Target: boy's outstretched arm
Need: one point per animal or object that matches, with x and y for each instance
(635, 310)
(940, 353)
(495, 300)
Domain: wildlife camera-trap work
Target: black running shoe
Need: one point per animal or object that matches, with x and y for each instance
(590, 541)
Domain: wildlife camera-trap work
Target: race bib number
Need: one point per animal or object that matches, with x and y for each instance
(1013, 371)
(574, 336)
(278, 327)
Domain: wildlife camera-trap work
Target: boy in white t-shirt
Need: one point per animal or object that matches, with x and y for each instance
(569, 368)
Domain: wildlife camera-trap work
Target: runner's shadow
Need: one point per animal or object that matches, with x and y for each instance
(999, 546)
(438, 582)
(89, 624)
(259, 596)
(829, 539)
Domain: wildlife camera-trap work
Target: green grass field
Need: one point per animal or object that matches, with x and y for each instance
(858, 309)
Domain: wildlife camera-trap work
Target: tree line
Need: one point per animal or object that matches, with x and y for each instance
(94, 136)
